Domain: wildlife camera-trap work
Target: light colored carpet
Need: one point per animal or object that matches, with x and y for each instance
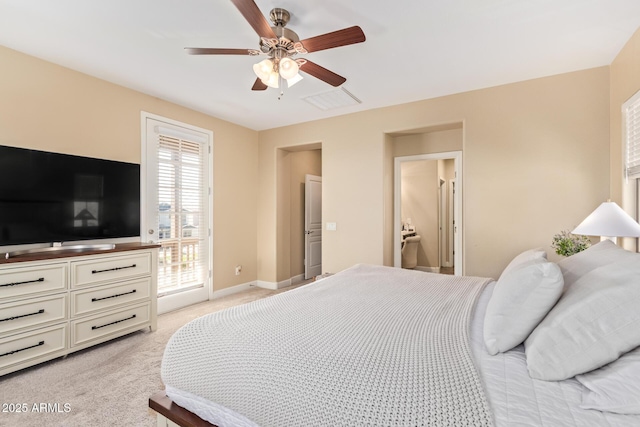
(106, 385)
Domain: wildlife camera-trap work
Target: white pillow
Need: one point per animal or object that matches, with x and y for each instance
(521, 298)
(524, 258)
(615, 387)
(598, 255)
(595, 321)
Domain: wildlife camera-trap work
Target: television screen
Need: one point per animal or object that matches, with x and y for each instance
(48, 197)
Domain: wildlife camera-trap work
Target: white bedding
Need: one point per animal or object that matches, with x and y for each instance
(514, 398)
(518, 400)
(372, 345)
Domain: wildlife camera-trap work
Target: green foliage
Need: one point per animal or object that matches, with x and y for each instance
(567, 244)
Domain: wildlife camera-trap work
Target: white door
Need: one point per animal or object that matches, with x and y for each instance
(312, 226)
(176, 212)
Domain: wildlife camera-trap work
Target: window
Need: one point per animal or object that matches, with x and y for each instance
(181, 199)
(631, 117)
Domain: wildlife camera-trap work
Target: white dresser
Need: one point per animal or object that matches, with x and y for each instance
(53, 305)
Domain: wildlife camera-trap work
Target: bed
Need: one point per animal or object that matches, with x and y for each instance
(381, 346)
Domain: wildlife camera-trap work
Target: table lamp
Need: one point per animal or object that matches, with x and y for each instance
(608, 221)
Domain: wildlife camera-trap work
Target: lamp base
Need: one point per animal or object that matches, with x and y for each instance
(613, 239)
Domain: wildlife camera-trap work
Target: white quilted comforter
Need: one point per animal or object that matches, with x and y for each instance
(241, 368)
(371, 346)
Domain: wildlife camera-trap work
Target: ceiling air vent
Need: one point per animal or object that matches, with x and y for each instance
(333, 99)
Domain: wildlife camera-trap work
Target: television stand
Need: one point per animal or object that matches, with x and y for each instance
(57, 247)
(58, 302)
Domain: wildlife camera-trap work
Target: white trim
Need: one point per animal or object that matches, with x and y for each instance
(283, 284)
(173, 302)
(267, 285)
(457, 157)
(233, 289)
(297, 279)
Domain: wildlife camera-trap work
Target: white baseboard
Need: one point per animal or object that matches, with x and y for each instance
(283, 284)
(297, 279)
(233, 289)
(267, 285)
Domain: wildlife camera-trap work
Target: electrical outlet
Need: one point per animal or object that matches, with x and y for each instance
(238, 269)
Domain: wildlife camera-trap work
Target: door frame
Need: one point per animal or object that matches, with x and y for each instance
(456, 156)
(174, 301)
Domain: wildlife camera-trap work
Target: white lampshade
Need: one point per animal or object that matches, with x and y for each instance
(263, 69)
(272, 80)
(608, 220)
(293, 80)
(288, 68)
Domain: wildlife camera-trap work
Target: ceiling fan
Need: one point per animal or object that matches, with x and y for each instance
(281, 44)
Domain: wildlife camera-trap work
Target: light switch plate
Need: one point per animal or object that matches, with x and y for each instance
(331, 226)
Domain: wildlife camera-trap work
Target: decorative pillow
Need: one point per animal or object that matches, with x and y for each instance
(615, 387)
(598, 255)
(595, 321)
(521, 298)
(524, 258)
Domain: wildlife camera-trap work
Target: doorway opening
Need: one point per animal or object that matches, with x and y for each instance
(177, 183)
(293, 165)
(427, 212)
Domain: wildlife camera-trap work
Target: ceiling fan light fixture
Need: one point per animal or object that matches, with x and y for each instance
(272, 80)
(263, 69)
(288, 68)
(293, 80)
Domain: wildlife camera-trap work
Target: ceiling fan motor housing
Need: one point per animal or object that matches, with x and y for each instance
(286, 38)
(280, 17)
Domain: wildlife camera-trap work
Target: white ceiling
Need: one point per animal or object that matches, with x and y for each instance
(415, 49)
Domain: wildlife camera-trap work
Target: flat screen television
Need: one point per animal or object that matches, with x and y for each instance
(48, 197)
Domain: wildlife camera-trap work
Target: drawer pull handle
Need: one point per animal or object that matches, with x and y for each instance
(113, 269)
(22, 349)
(22, 283)
(113, 296)
(113, 323)
(23, 315)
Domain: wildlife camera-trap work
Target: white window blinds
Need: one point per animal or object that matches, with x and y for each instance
(631, 116)
(181, 212)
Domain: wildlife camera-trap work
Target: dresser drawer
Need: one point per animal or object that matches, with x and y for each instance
(100, 270)
(91, 300)
(33, 312)
(33, 345)
(96, 327)
(28, 281)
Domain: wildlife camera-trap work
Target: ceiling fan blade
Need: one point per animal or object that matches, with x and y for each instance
(338, 38)
(216, 51)
(322, 73)
(256, 19)
(258, 85)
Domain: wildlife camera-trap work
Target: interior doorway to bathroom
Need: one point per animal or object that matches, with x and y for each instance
(428, 204)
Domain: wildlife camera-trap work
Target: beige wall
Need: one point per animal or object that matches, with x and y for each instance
(625, 82)
(48, 107)
(428, 141)
(535, 161)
